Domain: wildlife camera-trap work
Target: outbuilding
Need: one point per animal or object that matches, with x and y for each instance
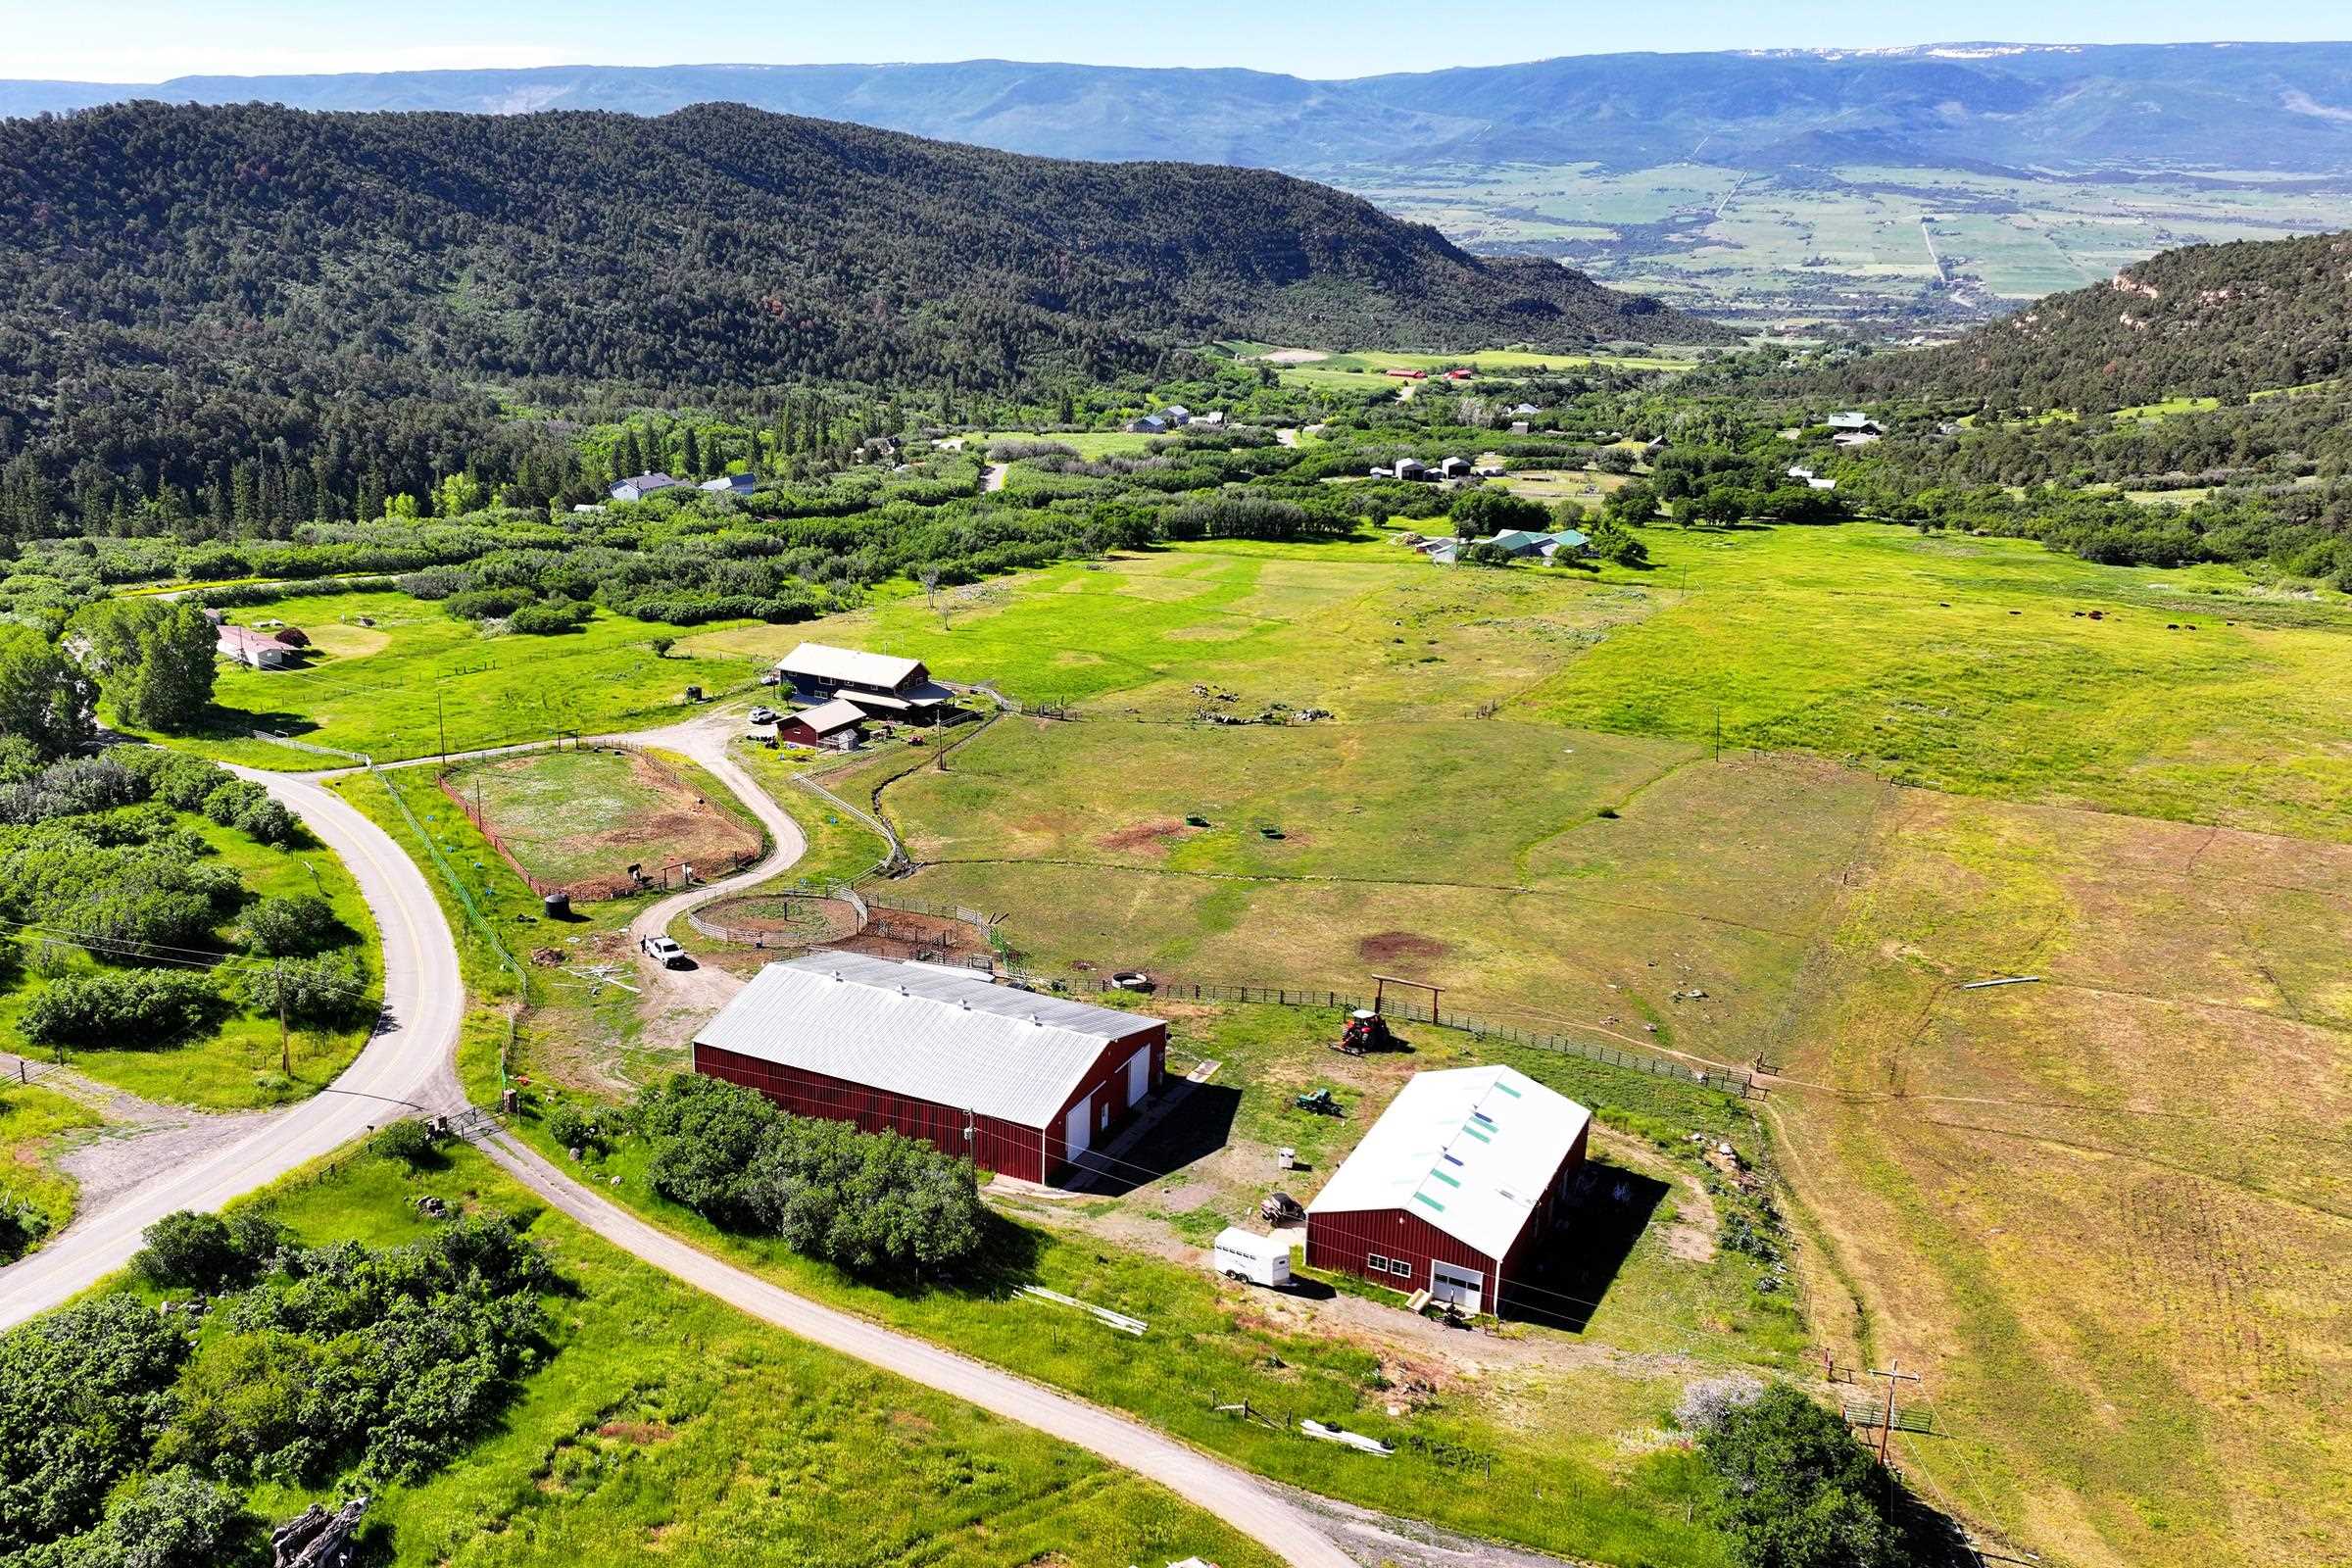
(882, 686)
(637, 486)
(837, 725)
(1023, 1084)
(246, 646)
(1454, 1189)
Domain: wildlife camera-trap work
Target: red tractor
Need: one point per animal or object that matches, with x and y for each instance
(1366, 1031)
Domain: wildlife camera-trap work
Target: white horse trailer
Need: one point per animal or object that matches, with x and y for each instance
(1260, 1259)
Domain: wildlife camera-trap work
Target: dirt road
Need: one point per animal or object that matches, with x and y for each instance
(407, 1067)
(1241, 1500)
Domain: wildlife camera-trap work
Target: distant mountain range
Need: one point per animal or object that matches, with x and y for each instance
(2277, 108)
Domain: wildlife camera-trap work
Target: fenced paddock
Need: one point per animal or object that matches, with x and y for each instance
(574, 822)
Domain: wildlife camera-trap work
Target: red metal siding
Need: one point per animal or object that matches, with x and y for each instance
(1109, 1069)
(993, 1145)
(1344, 1242)
(1031, 1154)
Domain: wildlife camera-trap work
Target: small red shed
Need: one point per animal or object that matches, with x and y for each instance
(1454, 1187)
(1022, 1083)
(837, 724)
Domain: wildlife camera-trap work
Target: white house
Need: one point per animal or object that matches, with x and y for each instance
(732, 484)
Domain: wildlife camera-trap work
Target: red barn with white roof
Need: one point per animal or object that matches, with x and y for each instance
(1453, 1187)
(1022, 1083)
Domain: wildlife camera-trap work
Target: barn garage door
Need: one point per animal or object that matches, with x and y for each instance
(1462, 1287)
(1139, 1077)
(1078, 1128)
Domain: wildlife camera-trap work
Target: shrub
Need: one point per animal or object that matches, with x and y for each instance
(406, 1140)
(85, 1390)
(569, 1127)
(192, 1251)
(292, 926)
(173, 1517)
(117, 1009)
(325, 991)
(1488, 510)
(1798, 1492)
(561, 615)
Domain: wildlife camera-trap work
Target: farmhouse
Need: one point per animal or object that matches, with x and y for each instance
(881, 686)
(1454, 1187)
(1854, 419)
(1176, 414)
(1149, 424)
(1022, 1083)
(638, 486)
(248, 647)
(837, 725)
(732, 484)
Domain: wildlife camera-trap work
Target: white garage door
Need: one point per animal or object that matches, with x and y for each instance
(1078, 1128)
(1462, 1287)
(1139, 1077)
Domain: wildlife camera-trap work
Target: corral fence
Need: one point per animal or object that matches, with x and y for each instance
(288, 741)
(617, 884)
(1708, 1075)
(885, 927)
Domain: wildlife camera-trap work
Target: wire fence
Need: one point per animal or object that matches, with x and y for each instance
(613, 884)
(1709, 1075)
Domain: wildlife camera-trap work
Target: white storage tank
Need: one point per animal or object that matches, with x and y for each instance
(1242, 1254)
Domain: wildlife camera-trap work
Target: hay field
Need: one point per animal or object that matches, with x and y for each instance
(2107, 1214)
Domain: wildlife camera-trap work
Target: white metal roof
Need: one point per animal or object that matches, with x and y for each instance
(828, 663)
(1469, 1151)
(826, 718)
(926, 1030)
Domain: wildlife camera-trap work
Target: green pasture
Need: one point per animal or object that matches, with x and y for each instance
(839, 848)
(1973, 664)
(392, 690)
(1089, 444)
(238, 1066)
(663, 1427)
(34, 1122)
(1362, 626)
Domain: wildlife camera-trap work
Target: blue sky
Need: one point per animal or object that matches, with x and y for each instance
(148, 40)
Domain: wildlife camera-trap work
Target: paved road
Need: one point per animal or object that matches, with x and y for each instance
(407, 1066)
(1241, 1500)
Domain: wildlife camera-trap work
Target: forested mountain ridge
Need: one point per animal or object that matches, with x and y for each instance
(2205, 321)
(181, 287)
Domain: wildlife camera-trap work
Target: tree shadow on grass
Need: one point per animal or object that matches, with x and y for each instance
(1593, 1232)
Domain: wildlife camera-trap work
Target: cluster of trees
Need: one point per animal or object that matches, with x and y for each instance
(871, 1203)
(125, 1442)
(155, 658)
(92, 852)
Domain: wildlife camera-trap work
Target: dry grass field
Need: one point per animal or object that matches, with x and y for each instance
(574, 816)
(2107, 1214)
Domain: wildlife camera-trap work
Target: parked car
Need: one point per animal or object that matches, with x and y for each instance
(763, 716)
(664, 952)
(771, 679)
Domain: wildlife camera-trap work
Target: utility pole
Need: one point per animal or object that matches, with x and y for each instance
(285, 1049)
(1894, 1375)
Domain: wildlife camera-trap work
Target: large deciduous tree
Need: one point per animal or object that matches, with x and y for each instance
(44, 696)
(154, 659)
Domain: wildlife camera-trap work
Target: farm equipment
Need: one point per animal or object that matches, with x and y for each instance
(1281, 1208)
(1319, 1103)
(1365, 1030)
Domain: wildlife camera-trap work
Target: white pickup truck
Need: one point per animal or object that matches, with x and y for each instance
(664, 952)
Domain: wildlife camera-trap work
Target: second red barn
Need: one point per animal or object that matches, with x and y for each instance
(1454, 1187)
